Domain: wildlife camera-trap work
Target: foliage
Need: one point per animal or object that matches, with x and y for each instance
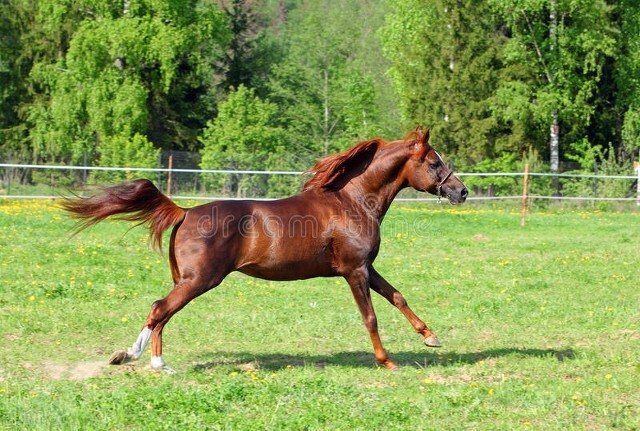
(446, 63)
(243, 136)
(496, 186)
(593, 159)
(129, 152)
(631, 128)
(490, 77)
(325, 86)
(116, 71)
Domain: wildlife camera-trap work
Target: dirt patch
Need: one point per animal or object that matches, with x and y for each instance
(79, 371)
(480, 237)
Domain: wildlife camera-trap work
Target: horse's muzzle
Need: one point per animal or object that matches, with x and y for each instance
(455, 197)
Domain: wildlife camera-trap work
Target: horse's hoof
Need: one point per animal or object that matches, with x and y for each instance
(168, 370)
(120, 357)
(432, 341)
(389, 365)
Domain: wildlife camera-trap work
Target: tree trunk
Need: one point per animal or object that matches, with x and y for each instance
(326, 112)
(554, 147)
(554, 142)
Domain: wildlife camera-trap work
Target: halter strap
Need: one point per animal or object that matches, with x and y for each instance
(439, 186)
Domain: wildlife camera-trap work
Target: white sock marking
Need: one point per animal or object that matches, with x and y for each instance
(140, 344)
(157, 362)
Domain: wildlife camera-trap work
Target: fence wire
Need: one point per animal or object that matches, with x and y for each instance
(32, 181)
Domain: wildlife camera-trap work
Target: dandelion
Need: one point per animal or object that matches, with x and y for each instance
(608, 376)
(89, 283)
(124, 319)
(427, 381)
(491, 392)
(32, 298)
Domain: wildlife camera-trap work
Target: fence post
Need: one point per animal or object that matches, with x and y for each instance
(9, 173)
(525, 190)
(169, 175)
(595, 183)
(637, 166)
(159, 172)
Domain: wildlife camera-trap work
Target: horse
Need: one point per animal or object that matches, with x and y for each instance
(331, 228)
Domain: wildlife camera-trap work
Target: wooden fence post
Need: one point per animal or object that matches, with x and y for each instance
(169, 176)
(525, 190)
(637, 166)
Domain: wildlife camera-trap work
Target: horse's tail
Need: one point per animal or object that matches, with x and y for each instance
(137, 200)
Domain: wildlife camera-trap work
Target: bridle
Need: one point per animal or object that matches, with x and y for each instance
(439, 186)
(446, 177)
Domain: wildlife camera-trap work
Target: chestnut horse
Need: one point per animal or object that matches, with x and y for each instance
(331, 228)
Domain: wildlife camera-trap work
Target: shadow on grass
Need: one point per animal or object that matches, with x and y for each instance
(276, 361)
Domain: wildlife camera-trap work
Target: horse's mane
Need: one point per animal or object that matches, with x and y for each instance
(335, 171)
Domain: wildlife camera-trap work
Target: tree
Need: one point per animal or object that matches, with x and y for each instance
(328, 84)
(446, 60)
(628, 75)
(127, 152)
(124, 72)
(244, 136)
(555, 55)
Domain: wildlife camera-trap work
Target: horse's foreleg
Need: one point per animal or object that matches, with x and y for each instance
(381, 286)
(359, 282)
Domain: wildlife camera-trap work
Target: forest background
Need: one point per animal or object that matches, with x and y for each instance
(278, 84)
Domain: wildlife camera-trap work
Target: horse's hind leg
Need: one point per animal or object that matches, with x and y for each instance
(161, 311)
(135, 351)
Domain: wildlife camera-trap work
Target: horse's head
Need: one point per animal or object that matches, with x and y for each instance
(428, 173)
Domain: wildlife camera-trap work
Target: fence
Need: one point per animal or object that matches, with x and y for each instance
(50, 181)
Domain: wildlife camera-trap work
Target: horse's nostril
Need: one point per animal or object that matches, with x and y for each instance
(464, 193)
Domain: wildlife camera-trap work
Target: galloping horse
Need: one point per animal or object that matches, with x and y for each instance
(331, 228)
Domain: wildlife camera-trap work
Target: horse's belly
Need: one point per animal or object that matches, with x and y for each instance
(283, 271)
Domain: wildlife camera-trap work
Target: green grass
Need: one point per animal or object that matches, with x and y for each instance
(539, 325)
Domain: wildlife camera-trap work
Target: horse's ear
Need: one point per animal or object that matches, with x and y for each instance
(421, 145)
(425, 138)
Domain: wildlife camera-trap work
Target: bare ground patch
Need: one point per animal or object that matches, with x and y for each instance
(77, 371)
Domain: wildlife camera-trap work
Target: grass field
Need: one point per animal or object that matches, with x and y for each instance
(540, 327)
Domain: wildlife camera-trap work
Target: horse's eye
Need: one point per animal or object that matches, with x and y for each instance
(435, 165)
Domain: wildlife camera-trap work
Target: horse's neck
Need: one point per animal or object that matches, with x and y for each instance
(376, 188)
